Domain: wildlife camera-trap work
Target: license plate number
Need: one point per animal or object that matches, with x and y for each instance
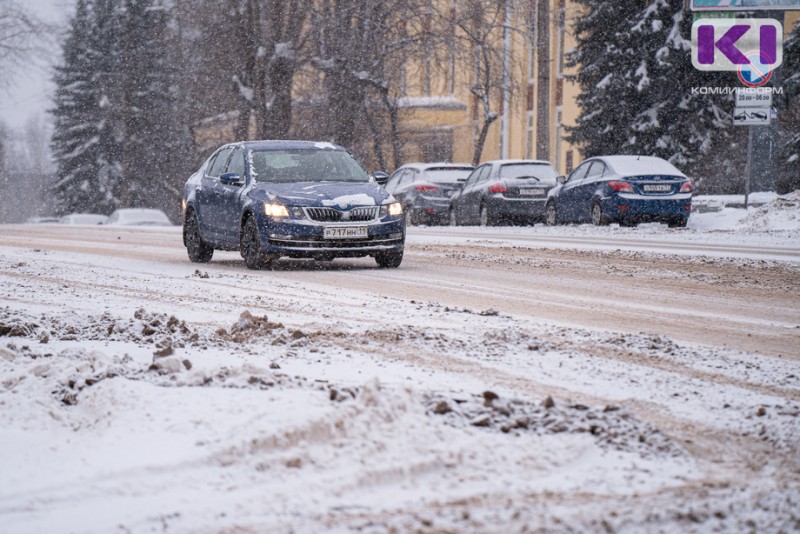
(531, 192)
(345, 232)
(660, 188)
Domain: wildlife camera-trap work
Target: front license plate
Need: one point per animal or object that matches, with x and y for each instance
(345, 232)
(658, 188)
(531, 192)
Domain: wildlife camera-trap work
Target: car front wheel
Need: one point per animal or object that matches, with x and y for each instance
(250, 246)
(389, 260)
(197, 249)
(486, 219)
(551, 214)
(451, 216)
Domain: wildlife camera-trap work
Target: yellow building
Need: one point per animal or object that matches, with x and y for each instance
(440, 118)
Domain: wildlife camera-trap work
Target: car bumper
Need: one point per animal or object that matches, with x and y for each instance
(639, 208)
(303, 239)
(516, 207)
(432, 209)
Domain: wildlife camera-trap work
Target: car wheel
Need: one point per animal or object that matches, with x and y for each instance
(551, 214)
(411, 217)
(389, 260)
(486, 219)
(451, 216)
(598, 217)
(678, 223)
(197, 249)
(250, 246)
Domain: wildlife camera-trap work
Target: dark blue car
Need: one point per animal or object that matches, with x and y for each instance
(298, 199)
(623, 189)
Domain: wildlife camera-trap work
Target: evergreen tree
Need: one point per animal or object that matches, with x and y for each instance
(636, 79)
(77, 135)
(117, 123)
(789, 113)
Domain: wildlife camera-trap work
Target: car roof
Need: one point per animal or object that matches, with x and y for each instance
(286, 145)
(440, 165)
(517, 161)
(640, 165)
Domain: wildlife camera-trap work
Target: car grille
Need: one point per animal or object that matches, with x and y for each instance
(362, 214)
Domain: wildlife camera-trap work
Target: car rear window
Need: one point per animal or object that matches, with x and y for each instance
(519, 170)
(447, 176)
(305, 165)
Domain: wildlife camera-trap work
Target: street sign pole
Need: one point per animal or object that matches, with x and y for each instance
(750, 134)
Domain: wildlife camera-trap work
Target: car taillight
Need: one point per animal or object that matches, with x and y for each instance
(425, 188)
(622, 187)
(499, 187)
(686, 187)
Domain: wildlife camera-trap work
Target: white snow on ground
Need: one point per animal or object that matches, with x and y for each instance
(145, 395)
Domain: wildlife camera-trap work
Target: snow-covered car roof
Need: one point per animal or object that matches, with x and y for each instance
(439, 165)
(286, 145)
(83, 218)
(641, 165)
(139, 217)
(518, 162)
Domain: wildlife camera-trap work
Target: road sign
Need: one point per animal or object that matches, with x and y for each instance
(753, 98)
(751, 116)
(743, 5)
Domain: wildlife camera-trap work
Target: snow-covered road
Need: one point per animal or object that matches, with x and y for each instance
(505, 378)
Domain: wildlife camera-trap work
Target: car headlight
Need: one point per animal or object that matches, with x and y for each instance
(395, 208)
(275, 210)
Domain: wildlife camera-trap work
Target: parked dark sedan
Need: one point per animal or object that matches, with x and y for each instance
(503, 191)
(424, 189)
(299, 199)
(623, 189)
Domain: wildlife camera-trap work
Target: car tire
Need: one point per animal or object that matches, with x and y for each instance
(551, 214)
(389, 260)
(250, 246)
(678, 223)
(485, 218)
(197, 249)
(411, 217)
(598, 217)
(452, 220)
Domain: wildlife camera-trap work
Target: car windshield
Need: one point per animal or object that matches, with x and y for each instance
(520, 170)
(447, 176)
(305, 165)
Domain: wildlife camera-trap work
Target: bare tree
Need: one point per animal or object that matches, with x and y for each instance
(481, 26)
(361, 49)
(270, 36)
(22, 35)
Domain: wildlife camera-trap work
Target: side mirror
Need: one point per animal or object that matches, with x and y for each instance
(381, 177)
(561, 179)
(231, 178)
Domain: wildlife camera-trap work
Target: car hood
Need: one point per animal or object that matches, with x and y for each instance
(321, 194)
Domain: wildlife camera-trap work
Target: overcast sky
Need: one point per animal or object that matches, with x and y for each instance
(32, 90)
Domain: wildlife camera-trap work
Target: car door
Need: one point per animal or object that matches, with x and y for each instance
(588, 188)
(568, 199)
(400, 192)
(472, 194)
(393, 182)
(229, 195)
(456, 201)
(208, 198)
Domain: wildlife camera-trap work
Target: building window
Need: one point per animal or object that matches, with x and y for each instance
(562, 16)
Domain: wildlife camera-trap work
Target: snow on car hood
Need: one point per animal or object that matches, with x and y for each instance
(320, 194)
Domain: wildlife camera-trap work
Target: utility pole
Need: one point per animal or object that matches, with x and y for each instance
(543, 80)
